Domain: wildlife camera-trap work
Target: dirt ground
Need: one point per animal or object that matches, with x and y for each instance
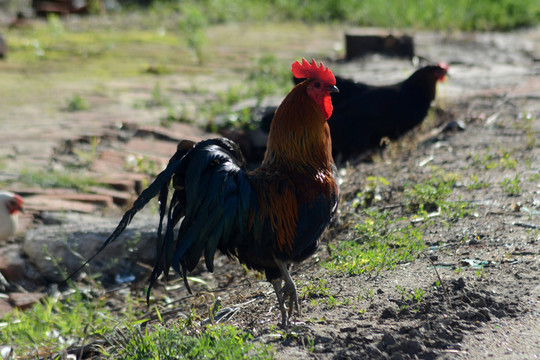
(480, 273)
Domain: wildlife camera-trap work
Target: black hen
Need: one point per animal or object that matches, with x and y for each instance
(361, 121)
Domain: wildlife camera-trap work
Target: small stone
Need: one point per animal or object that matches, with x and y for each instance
(388, 313)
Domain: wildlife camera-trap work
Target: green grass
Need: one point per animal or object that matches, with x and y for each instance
(371, 193)
(53, 325)
(76, 103)
(174, 342)
(56, 179)
(501, 159)
(512, 186)
(476, 183)
(423, 14)
(431, 193)
(314, 289)
(381, 242)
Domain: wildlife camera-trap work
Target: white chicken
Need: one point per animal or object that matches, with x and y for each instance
(10, 206)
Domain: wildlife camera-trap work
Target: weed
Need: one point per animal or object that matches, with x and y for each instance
(454, 210)
(142, 165)
(371, 192)
(87, 156)
(268, 76)
(157, 98)
(381, 243)
(315, 289)
(476, 183)
(369, 295)
(54, 325)
(56, 179)
(429, 194)
(174, 115)
(532, 139)
(193, 24)
(512, 186)
(460, 14)
(174, 342)
(418, 294)
(331, 302)
(76, 103)
(309, 343)
(501, 159)
(481, 273)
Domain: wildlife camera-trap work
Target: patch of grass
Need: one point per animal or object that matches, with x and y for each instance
(476, 184)
(432, 14)
(87, 156)
(512, 186)
(142, 165)
(501, 159)
(76, 103)
(56, 179)
(381, 242)
(429, 194)
(157, 98)
(314, 289)
(371, 193)
(174, 342)
(268, 76)
(173, 115)
(526, 122)
(53, 325)
(193, 24)
(454, 210)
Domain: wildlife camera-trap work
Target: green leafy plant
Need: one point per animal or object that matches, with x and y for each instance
(56, 179)
(268, 76)
(371, 192)
(157, 98)
(175, 342)
(429, 194)
(381, 242)
(315, 289)
(477, 184)
(76, 103)
(512, 186)
(90, 154)
(53, 325)
(193, 24)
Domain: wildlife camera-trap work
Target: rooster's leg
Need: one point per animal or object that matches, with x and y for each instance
(288, 290)
(281, 301)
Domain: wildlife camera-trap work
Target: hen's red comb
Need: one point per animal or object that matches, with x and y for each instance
(444, 66)
(312, 71)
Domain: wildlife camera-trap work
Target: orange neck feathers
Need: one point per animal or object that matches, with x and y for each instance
(299, 138)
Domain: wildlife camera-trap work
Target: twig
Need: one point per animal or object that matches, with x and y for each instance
(83, 341)
(501, 213)
(439, 277)
(390, 206)
(525, 225)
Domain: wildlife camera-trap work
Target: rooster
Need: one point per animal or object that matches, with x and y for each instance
(362, 120)
(267, 218)
(10, 206)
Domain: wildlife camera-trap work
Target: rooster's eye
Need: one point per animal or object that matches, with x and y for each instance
(317, 84)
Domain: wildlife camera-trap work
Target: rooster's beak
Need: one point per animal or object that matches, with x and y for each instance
(333, 89)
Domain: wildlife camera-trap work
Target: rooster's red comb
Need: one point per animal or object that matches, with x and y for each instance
(312, 71)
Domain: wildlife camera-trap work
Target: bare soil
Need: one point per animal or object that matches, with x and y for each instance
(479, 273)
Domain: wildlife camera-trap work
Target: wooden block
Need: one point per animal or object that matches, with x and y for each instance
(120, 198)
(24, 300)
(48, 203)
(361, 44)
